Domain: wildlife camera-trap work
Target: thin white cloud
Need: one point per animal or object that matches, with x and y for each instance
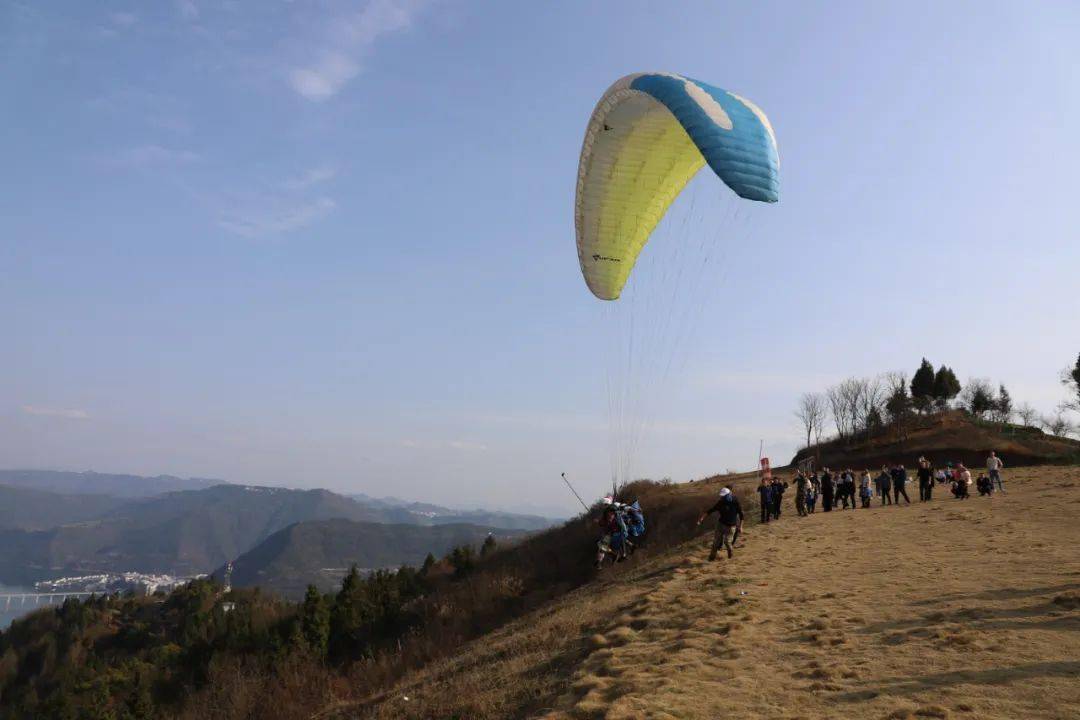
(276, 220)
(188, 10)
(144, 156)
(348, 45)
(460, 445)
(70, 414)
(314, 176)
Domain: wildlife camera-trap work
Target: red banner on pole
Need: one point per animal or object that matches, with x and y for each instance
(766, 471)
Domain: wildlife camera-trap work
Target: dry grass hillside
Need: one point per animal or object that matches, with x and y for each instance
(952, 436)
(947, 609)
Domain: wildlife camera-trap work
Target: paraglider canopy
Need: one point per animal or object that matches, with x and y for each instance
(648, 136)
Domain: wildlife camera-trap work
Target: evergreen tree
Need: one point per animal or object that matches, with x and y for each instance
(946, 386)
(429, 561)
(898, 406)
(978, 397)
(922, 386)
(346, 617)
(488, 547)
(1003, 405)
(462, 560)
(315, 620)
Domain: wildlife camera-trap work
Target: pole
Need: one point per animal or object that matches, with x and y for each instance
(575, 492)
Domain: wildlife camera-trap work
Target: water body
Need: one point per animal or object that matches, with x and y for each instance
(15, 610)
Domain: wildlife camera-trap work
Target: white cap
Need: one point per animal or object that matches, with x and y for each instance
(724, 492)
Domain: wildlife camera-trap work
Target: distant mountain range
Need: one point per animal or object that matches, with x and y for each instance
(320, 552)
(44, 535)
(93, 483)
(428, 514)
(25, 509)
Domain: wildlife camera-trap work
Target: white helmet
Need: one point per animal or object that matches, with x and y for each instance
(724, 492)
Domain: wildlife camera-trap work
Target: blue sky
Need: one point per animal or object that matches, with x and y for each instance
(331, 244)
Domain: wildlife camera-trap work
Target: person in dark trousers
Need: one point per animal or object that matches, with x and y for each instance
(778, 488)
(899, 483)
(827, 490)
(802, 489)
(865, 493)
(815, 490)
(765, 500)
(926, 480)
(884, 486)
(994, 466)
(729, 521)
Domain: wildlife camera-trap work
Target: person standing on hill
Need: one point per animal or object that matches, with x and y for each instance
(827, 490)
(994, 466)
(899, 484)
(765, 500)
(729, 522)
(802, 489)
(865, 493)
(926, 480)
(884, 486)
(815, 490)
(778, 488)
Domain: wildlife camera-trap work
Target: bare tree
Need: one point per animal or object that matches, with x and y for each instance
(871, 402)
(845, 399)
(1058, 425)
(1028, 415)
(812, 412)
(839, 410)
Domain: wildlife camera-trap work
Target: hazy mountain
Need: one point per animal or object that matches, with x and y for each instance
(26, 509)
(321, 552)
(92, 483)
(429, 514)
(178, 533)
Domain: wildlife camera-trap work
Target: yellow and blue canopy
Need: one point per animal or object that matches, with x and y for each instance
(648, 136)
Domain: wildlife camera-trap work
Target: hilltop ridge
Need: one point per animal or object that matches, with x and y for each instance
(952, 436)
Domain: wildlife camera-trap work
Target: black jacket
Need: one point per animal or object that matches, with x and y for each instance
(729, 509)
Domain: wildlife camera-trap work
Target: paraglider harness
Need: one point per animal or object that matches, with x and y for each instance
(624, 530)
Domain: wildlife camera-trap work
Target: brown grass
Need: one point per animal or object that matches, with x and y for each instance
(937, 610)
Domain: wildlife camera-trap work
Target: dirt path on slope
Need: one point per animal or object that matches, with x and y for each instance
(935, 610)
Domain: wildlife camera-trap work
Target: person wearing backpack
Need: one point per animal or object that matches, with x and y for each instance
(802, 489)
(729, 521)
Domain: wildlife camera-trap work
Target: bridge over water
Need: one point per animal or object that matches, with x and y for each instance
(22, 600)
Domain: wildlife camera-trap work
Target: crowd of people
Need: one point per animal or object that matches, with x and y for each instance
(839, 490)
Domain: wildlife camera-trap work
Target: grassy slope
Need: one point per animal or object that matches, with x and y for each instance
(950, 436)
(947, 609)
